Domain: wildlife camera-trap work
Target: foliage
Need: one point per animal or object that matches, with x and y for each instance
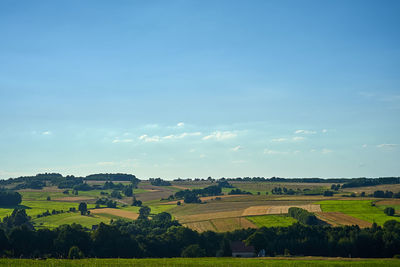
(389, 211)
(9, 198)
(238, 191)
(75, 253)
(193, 251)
(159, 182)
(303, 216)
(82, 208)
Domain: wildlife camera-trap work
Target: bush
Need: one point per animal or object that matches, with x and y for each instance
(303, 216)
(75, 253)
(193, 251)
(389, 211)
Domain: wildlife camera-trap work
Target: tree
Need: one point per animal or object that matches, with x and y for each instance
(389, 211)
(75, 253)
(144, 212)
(193, 251)
(82, 208)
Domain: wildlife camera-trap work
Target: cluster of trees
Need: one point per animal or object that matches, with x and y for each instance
(298, 239)
(359, 182)
(282, 191)
(192, 196)
(159, 182)
(9, 198)
(386, 194)
(238, 191)
(106, 201)
(303, 216)
(335, 187)
(48, 213)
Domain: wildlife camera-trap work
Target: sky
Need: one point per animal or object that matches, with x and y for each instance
(186, 89)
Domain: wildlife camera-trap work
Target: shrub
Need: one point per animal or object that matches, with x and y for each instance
(389, 211)
(75, 253)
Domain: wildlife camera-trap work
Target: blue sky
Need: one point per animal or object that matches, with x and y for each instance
(200, 88)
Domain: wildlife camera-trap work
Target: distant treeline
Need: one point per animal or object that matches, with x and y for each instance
(41, 180)
(162, 237)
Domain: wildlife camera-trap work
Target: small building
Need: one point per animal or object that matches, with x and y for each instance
(239, 249)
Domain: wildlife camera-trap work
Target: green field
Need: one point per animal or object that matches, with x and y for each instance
(271, 220)
(361, 209)
(222, 262)
(54, 221)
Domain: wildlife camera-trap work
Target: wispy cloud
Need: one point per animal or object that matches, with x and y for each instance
(298, 138)
(117, 140)
(182, 135)
(47, 133)
(304, 132)
(387, 146)
(326, 151)
(279, 140)
(237, 148)
(219, 136)
(149, 139)
(180, 124)
(274, 152)
(324, 131)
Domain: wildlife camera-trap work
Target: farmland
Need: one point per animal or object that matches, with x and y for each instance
(223, 213)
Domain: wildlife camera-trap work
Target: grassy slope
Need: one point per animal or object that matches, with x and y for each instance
(361, 209)
(205, 262)
(271, 220)
(54, 221)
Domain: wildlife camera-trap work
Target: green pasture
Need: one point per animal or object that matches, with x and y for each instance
(54, 221)
(34, 208)
(361, 209)
(271, 220)
(221, 262)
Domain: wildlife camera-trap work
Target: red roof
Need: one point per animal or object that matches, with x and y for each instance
(239, 246)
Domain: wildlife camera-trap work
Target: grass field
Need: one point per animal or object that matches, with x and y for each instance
(220, 262)
(54, 221)
(361, 209)
(272, 220)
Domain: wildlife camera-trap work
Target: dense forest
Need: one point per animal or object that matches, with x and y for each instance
(164, 237)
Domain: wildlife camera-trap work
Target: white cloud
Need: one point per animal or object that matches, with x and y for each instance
(180, 124)
(220, 136)
(279, 140)
(273, 152)
(47, 133)
(304, 132)
(364, 145)
(324, 131)
(237, 148)
(298, 138)
(106, 163)
(149, 139)
(182, 135)
(387, 146)
(117, 140)
(326, 151)
(202, 156)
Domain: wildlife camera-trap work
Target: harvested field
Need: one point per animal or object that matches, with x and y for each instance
(338, 218)
(204, 199)
(208, 216)
(201, 226)
(263, 210)
(231, 224)
(74, 199)
(388, 202)
(221, 225)
(154, 192)
(116, 212)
